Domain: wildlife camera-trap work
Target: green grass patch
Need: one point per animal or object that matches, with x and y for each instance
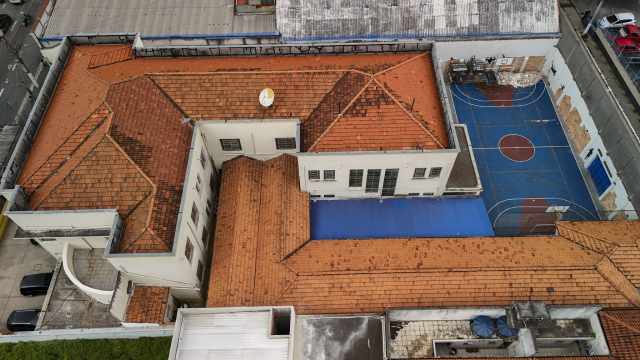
(112, 349)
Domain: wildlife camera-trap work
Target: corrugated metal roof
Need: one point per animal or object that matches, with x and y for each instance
(155, 18)
(397, 19)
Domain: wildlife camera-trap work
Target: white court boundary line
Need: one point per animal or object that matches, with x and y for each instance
(542, 93)
(531, 207)
(465, 94)
(544, 198)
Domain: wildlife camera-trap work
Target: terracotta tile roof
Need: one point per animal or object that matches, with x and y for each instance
(148, 304)
(361, 276)
(122, 118)
(622, 330)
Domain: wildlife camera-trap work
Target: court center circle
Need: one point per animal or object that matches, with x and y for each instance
(516, 147)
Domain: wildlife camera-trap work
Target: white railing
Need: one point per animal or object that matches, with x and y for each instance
(101, 296)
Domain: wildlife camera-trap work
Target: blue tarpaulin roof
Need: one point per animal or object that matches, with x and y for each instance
(415, 217)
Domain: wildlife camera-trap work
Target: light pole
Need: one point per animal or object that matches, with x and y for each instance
(593, 18)
(16, 53)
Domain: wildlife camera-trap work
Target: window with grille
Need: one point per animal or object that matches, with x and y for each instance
(435, 172)
(329, 175)
(198, 183)
(200, 270)
(203, 159)
(373, 181)
(205, 237)
(230, 144)
(195, 214)
(355, 177)
(419, 173)
(314, 174)
(286, 143)
(188, 250)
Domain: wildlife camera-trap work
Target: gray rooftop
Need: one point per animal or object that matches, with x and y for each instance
(300, 20)
(156, 18)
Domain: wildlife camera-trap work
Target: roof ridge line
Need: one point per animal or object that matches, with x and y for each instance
(614, 244)
(620, 322)
(257, 250)
(164, 93)
(110, 112)
(400, 64)
(622, 284)
(89, 151)
(227, 72)
(144, 175)
(341, 114)
(399, 104)
(436, 270)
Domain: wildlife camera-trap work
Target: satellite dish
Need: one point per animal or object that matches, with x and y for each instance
(267, 96)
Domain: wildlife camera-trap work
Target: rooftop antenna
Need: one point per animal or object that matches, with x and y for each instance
(267, 96)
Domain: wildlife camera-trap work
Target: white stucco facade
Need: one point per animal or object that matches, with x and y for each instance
(257, 138)
(405, 162)
(446, 50)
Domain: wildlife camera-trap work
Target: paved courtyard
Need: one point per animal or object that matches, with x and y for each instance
(18, 258)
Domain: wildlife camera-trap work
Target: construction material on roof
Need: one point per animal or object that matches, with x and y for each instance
(398, 218)
(157, 19)
(410, 19)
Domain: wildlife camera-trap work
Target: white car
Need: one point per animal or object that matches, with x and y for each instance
(617, 20)
(16, 2)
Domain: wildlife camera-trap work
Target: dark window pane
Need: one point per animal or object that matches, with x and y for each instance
(285, 143)
(329, 174)
(373, 181)
(355, 177)
(419, 173)
(314, 174)
(230, 144)
(435, 172)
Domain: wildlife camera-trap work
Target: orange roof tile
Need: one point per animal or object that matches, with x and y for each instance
(359, 276)
(133, 111)
(148, 304)
(622, 330)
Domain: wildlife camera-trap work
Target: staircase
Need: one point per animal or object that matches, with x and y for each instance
(120, 300)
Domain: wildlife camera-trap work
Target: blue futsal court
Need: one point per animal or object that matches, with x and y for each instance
(525, 162)
(409, 217)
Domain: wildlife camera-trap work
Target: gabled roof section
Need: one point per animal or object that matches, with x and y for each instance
(257, 261)
(148, 305)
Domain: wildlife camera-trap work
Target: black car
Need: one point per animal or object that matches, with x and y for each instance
(35, 284)
(23, 320)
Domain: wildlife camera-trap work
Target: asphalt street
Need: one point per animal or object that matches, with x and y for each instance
(13, 79)
(609, 6)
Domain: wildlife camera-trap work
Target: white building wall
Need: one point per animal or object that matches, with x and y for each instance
(564, 79)
(443, 51)
(406, 162)
(257, 137)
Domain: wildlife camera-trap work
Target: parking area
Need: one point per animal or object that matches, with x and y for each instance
(18, 258)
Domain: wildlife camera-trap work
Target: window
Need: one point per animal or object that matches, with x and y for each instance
(285, 143)
(200, 270)
(373, 181)
(435, 172)
(355, 177)
(209, 207)
(419, 173)
(203, 159)
(329, 175)
(198, 183)
(230, 145)
(205, 237)
(330, 196)
(188, 250)
(314, 174)
(195, 214)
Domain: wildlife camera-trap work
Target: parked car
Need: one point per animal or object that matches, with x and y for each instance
(617, 20)
(16, 2)
(35, 284)
(23, 320)
(631, 31)
(627, 46)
